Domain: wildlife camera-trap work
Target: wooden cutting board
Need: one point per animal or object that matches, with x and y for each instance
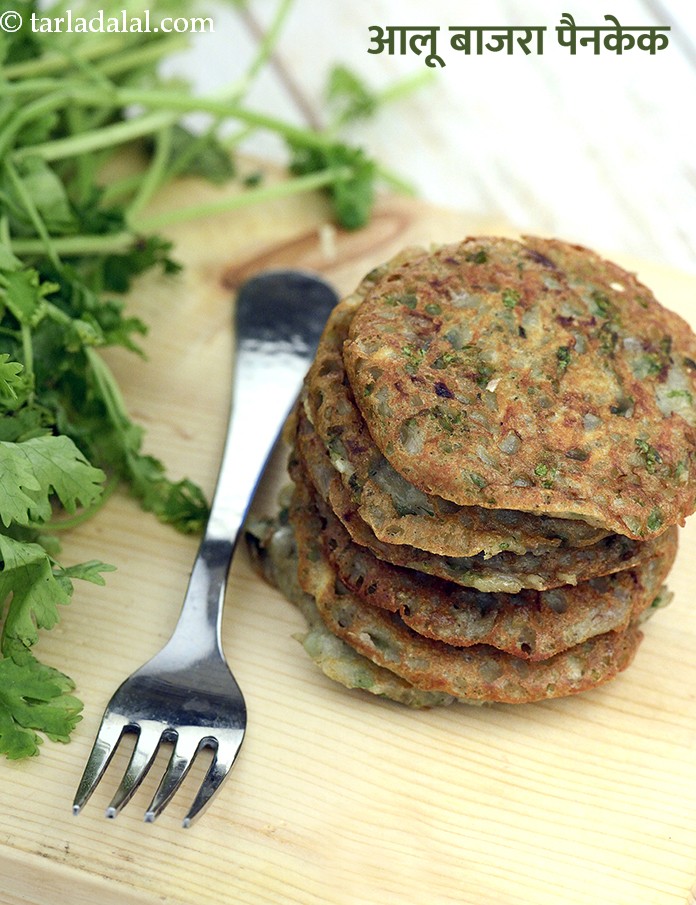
(338, 797)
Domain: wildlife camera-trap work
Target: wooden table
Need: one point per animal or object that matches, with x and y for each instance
(338, 798)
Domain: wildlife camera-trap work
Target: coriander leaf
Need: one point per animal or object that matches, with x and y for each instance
(25, 295)
(34, 698)
(153, 251)
(23, 44)
(38, 130)
(35, 469)
(199, 155)
(48, 195)
(178, 503)
(75, 298)
(25, 422)
(353, 191)
(354, 197)
(117, 329)
(349, 96)
(93, 214)
(11, 382)
(85, 571)
(27, 578)
(83, 332)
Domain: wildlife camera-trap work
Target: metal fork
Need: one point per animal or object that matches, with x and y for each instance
(186, 694)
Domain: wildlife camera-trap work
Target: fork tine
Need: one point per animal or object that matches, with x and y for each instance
(109, 734)
(185, 748)
(225, 755)
(141, 759)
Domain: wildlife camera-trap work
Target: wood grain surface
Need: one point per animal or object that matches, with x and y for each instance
(338, 797)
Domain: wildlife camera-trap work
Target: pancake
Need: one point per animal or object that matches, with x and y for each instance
(395, 510)
(478, 673)
(505, 572)
(271, 545)
(534, 625)
(530, 375)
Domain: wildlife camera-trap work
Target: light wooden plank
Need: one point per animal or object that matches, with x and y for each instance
(338, 797)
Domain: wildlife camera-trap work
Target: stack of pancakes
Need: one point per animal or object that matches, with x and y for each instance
(491, 454)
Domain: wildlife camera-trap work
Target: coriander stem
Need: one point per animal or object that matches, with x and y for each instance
(406, 85)
(295, 186)
(36, 108)
(187, 156)
(397, 182)
(120, 243)
(169, 105)
(154, 175)
(32, 79)
(31, 86)
(57, 314)
(67, 246)
(33, 213)
(223, 108)
(114, 403)
(121, 187)
(267, 45)
(110, 393)
(149, 52)
(98, 139)
(54, 62)
(28, 356)
(231, 141)
(5, 237)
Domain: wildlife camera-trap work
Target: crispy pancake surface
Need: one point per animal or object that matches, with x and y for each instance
(271, 544)
(477, 673)
(395, 510)
(529, 375)
(505, 572)
(534, 625)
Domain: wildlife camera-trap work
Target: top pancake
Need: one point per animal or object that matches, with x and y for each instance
(530, 375)
(398, 512)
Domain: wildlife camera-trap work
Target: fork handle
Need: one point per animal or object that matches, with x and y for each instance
(265, 386)
(279, 317)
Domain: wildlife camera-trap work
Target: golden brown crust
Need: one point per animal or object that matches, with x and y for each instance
(478, 673)
(534, 625)
(530, 375)
(504, 572)
(398, 512)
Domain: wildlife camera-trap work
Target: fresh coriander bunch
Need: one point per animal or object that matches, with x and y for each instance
(71, 246)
